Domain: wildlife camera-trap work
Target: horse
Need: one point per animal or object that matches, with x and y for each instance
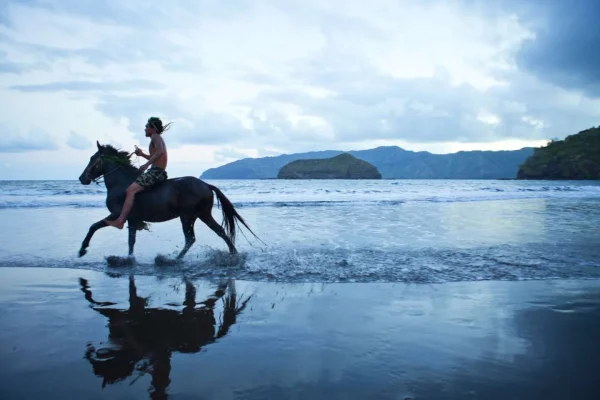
(187, 198)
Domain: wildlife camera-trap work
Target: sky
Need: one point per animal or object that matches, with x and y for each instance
(255, 78)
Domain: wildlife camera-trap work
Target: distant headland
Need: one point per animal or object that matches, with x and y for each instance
(576, 157)
(343, 166)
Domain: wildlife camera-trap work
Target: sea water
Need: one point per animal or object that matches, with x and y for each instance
(422, 231)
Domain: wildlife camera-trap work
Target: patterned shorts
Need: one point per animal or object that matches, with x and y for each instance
(151, 177)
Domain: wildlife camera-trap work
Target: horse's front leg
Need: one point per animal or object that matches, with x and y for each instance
(132, 234)
(86, 242)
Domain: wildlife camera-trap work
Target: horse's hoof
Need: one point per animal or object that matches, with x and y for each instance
(164, 261)
(82, 252)
(116, 261)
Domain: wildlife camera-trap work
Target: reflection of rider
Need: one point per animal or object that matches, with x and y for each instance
(157, 161)
(150, 335)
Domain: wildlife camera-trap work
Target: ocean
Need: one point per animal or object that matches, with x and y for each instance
(390, 289)
(413, 231)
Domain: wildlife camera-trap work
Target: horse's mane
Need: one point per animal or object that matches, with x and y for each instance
(119, 155)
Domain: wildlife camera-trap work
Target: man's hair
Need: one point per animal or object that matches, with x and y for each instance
(157, 124)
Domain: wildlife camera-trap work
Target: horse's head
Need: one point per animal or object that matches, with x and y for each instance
(94, 167)
(106, 156)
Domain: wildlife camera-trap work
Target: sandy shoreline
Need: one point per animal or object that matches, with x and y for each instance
(247, 340)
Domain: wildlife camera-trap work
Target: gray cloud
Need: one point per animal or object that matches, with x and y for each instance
(565, 51)
(78, 142)
(101, 10)
(267, 153)
(418, 111)
(366, 105)
(35, 140)
(138, 45)
(209, 129)
(11, 68)
(567, 35)
(227, 154)
(426, 110)
(88, 86)
(144, 43)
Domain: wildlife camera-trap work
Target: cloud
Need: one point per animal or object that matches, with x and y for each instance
(189, 127)
(78, 142)
(33, 140)
(564, 50)
(262, 77)
(10, 68)
(88, 86)
(229, 154)
(565, 32)
(424, 110)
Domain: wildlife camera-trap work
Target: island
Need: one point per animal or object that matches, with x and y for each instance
(577, 157)
(343, 166)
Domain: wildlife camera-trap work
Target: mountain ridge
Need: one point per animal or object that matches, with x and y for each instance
(393, 162)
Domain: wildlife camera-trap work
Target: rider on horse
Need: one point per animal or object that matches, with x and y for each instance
(157, 161)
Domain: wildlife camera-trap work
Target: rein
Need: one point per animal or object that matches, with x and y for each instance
(102, 158)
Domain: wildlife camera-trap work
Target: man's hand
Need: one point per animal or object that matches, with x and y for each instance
(144, 167)
(138, 151)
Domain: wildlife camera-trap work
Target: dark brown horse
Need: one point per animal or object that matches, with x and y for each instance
(187, 198)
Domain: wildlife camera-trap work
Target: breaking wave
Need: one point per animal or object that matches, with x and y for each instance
(310, 194)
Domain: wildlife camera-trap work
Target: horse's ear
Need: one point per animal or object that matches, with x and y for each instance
(98, 144)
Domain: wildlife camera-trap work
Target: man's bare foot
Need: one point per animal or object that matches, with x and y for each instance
(116, 223)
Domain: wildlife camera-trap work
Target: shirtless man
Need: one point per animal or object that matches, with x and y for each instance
(157, 161)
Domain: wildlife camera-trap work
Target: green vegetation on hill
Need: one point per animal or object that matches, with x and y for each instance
(576, 157)
(343, 166)
(392, 162)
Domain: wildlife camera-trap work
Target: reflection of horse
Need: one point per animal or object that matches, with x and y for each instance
(141, 339)
(187, 198)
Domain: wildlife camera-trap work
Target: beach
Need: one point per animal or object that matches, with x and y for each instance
(462, 340)
(387, 290)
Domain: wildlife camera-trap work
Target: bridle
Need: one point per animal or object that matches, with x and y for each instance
(100, 159)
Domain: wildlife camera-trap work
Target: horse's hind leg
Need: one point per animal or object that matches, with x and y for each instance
(187, 223)
(218, 229)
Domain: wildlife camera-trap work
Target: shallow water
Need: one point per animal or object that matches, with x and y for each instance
(70, 333)
(332, 231)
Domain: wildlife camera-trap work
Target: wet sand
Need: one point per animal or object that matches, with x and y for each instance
(78, 334)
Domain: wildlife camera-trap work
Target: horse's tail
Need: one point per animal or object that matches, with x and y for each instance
(230, 215)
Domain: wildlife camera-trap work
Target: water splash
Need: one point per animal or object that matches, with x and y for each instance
(318, 265)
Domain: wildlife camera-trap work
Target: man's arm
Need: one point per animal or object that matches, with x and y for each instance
(159, 145)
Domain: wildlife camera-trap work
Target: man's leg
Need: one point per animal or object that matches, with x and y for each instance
(132, 190)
